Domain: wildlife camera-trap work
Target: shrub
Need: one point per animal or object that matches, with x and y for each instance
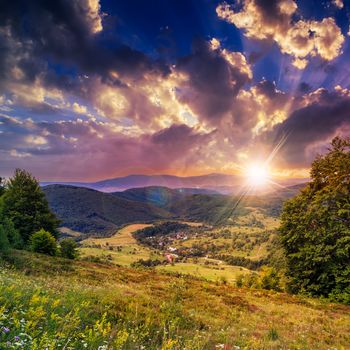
(270, 279)
(147, 263)
(68, 248)
(43, 242)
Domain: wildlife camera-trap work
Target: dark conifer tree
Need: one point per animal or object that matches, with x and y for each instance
(25, 205)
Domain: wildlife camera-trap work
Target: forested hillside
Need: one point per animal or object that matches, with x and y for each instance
(92, 212)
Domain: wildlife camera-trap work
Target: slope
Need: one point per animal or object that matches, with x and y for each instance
(92, 212)
(58, 304)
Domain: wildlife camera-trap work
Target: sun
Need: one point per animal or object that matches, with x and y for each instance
(257, 175)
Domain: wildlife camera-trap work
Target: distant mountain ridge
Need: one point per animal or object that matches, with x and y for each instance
(93, 212)
(221, 183)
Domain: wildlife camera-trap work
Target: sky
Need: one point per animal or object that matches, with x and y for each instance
(95, 89)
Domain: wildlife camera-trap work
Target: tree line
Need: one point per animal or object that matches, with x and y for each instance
(26, 221)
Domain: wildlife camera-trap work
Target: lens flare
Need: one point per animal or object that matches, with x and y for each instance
(257, 175)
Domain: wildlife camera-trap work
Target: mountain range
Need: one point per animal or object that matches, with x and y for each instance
(92, 212)
(220, 183)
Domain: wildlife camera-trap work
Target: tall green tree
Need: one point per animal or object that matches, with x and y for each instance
(315, 228)
(2, 186)
(13, 235)
(24, 203)
(4, 242)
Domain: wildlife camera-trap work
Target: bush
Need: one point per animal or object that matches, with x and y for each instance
(268, 279)
(68, 248)
(43, 242)
(147, 263)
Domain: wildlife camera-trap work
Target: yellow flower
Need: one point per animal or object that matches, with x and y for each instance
(35, 299)
(56, 303)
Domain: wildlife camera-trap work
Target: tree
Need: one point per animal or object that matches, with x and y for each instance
(24, 203)
(315, 228)
(4, 242)
(2, 186)
(68, 248)
(43, 242)
(13, 235)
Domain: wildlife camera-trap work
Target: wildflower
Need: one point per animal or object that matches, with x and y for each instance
(102, 347)
(5, 329)
(17, 338)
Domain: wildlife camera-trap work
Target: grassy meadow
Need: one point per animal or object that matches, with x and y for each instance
(128, 250)
(219, 272)
(52, 303)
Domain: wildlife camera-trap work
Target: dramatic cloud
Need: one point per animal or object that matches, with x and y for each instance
(338, 3)
(310, 128)
(68, 35)
(74, 90)
(104, 148)
(215, 77)
(273, 20)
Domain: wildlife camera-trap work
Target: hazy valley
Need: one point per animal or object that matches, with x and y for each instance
(223, 236)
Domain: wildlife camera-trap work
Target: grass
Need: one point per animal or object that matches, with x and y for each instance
(128, 251)
(51, 303)
(257, 214)
(121, 238)
(221, 272)
(125, 257)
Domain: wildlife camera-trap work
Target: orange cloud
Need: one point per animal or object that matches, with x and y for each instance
(301, 40)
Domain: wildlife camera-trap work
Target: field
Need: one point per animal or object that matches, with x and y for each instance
(121, 248)
(248, 238)
(122, 238)
(256, 214)
(52, 303)
(219, 273)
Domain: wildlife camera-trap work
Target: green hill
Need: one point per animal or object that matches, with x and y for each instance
(208, 207)
(159, 196)
(93, 212)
